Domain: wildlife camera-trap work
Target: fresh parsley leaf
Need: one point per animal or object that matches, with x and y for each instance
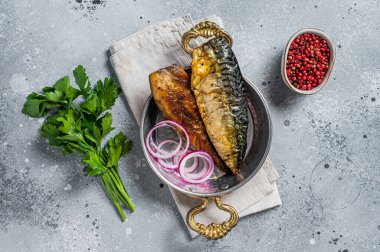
(90, 107)
(61, 94)
(55, 96)
(127, 147)
(102, 99)
(95, 166)
(33, 105)
(69, 124)
(96, 139)
(97, 135)
(107, 93)
(106, 122)
(64, 86)
(51, 132)
(117, 146)
(82, 81)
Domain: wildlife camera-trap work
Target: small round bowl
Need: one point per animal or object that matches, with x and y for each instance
(331, 61)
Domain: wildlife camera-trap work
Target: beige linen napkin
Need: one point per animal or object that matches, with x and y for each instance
(158, 46)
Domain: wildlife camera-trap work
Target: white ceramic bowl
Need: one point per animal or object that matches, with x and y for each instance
(331, 61)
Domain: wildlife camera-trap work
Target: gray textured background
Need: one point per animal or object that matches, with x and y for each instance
(326, 147)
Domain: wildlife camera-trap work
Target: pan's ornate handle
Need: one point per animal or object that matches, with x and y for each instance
(205, 29)
(212, 231)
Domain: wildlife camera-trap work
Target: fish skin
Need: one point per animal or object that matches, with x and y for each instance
(172, 93)
(218, 87)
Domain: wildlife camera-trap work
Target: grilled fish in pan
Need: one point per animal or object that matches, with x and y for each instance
(217, 85)
(172, 93)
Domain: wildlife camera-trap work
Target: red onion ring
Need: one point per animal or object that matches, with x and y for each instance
(173, 165)
(167, 165)
(160, 154)
(157, 153)
(164, 163)
(201, 174)
(171, 124)
(193, 167)
(159, 147)
(198, 178)
(204, 172)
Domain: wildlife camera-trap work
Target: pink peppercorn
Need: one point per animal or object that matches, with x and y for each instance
(307, 61)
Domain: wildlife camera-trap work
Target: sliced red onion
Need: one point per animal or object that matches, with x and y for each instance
(200, 174)
(156, 151)
(159, 147)
(171, 124)
(193, 167)
(205, 173)
(167, 165)
(177, 159)
(172, 164)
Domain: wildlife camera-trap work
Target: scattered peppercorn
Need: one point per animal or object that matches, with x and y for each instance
(307, 61)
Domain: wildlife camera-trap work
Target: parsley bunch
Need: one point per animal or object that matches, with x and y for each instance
(81, 128)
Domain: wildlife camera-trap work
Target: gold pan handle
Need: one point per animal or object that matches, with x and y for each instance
(212, 231)
(204, 29)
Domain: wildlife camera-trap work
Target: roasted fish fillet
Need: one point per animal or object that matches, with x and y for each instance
(172, 93)
(217, 85)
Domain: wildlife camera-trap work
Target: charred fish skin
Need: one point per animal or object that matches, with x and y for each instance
(172, 93)
(217, 84)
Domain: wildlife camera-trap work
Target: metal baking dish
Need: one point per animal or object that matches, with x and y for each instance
(258, 140)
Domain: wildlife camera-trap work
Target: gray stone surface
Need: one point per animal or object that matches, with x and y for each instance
(325, 147)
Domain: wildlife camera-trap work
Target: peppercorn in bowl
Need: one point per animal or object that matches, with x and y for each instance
(307, 61)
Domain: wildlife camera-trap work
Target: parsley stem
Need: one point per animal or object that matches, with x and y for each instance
(121, 189)
(115, 190)
(110, 191)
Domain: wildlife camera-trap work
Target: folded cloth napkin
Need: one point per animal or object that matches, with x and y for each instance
(158, 46)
